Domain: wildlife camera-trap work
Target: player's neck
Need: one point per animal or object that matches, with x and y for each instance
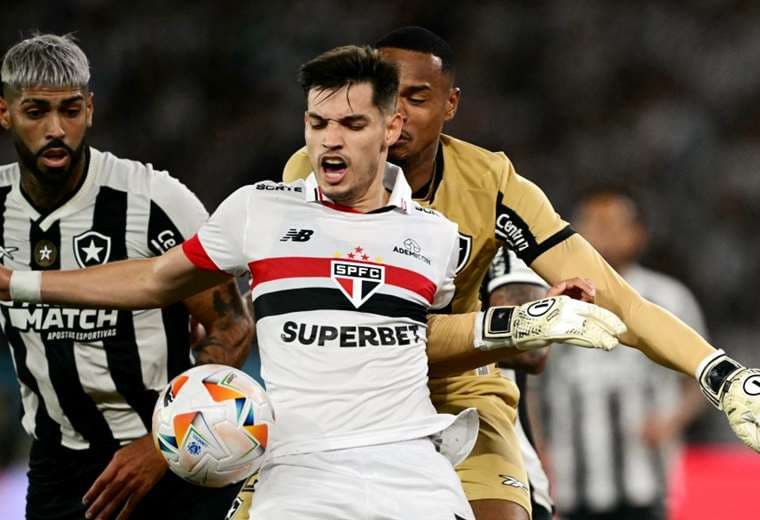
(419, 169)
(44, 195)
(375, 197)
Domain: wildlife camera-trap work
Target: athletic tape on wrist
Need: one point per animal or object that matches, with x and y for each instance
(26, 286)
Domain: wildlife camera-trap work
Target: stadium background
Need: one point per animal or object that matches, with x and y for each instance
(660, 96)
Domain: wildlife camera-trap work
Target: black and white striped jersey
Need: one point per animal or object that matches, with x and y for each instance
(597, 404)
(89, 378)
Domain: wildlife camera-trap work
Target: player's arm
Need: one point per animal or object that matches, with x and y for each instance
(531, 326)
(176, 214)
(129, 284)
(503, 333)
(227, 324)
(555, 253)
(651, 329)
(204, 261)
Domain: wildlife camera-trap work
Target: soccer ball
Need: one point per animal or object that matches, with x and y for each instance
(211, 424)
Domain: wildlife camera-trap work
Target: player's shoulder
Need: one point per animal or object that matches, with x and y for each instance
(136, 177)
(474, 162)
(9, 174)
(297, 167)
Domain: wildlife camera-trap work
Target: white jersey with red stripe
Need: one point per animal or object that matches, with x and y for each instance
(341, 300)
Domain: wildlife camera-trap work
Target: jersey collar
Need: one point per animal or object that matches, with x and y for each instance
(394, 181)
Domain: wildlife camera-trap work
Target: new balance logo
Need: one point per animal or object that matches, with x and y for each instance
(297, 235)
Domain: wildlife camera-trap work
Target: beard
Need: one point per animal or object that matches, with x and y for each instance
(30, 160)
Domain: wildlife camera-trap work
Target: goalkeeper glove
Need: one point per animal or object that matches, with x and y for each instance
(537, 324)
(735, 390)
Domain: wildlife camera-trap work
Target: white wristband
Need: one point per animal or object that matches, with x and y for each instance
(26, 286)
(478, 342)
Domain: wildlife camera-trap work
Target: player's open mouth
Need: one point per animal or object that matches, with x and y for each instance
(55, 158)
(333, 168)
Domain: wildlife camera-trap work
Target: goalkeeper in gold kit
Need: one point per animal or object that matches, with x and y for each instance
(493, 205)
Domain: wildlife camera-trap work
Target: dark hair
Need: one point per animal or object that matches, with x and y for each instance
(419, 39)
(351, 65)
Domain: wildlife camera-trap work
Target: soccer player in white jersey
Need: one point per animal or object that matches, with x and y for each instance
(340, 308)
(89, 378)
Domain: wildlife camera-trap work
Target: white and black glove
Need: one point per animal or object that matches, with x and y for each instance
(735, 390)
(537, 324)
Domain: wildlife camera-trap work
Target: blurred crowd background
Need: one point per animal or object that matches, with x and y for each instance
(660, 96)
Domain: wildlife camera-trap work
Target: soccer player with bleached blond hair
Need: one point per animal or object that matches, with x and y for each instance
(89, 377)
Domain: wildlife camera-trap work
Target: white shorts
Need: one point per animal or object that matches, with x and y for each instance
(406, 480)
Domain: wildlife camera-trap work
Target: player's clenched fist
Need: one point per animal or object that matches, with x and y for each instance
(735, 390)
(540, 323)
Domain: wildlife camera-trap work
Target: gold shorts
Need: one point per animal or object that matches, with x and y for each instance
(494, 469)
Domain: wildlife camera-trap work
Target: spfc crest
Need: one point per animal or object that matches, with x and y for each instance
(92, 248)
(357, 281)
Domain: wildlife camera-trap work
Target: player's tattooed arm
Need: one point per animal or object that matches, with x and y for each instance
(222, 325)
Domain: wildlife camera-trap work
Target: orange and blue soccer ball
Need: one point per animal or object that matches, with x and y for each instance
(211, 424)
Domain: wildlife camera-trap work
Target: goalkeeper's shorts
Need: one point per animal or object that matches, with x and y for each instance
(494, 469)
(402, 480)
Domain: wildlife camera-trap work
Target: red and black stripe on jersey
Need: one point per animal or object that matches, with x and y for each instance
(329, 298)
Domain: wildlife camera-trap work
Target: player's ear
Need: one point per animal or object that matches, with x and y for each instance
(90, 107)
(393, 128)
(5, 116)
(452, 103)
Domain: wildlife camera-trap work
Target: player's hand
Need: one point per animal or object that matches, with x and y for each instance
(734, 389)
(581, 289)
(538, 324)
(132, 472)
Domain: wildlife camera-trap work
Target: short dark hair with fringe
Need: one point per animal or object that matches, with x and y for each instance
(419, 39)
(351, 65)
